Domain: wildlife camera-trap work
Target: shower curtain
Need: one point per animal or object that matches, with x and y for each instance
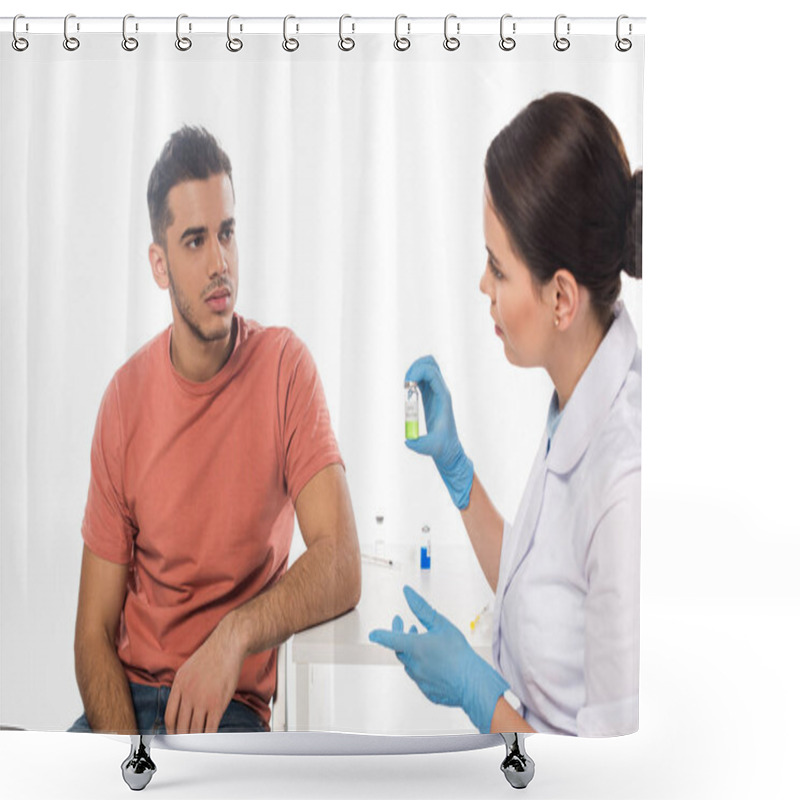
(359, 183)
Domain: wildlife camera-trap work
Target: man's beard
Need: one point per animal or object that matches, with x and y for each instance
(185, 310)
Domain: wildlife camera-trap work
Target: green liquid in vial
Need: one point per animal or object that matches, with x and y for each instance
(412, 429)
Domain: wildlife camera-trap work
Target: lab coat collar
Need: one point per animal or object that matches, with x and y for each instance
(592, 398)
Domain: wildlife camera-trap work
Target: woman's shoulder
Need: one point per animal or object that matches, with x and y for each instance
(611, 466)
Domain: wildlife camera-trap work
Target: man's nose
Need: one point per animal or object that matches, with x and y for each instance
(217, 263)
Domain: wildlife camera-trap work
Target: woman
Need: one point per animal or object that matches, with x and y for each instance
(562, 220)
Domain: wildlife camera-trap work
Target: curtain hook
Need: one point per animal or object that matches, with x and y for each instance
(451, 42)
(233, 44)
(345, 42)
(19, 43)
(183, 43)
(561, 43)
(129, 43)
(71, 43)
(506, 42)
(623, 45)
(290, 45)
(401, 42)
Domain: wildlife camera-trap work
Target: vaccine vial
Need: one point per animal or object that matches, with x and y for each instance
(425, 548)
(412, 410)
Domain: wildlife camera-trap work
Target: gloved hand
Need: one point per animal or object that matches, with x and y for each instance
(441, 442)
(441, 662)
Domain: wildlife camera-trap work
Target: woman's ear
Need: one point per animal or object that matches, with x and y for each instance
(158, 264)
(564, 298)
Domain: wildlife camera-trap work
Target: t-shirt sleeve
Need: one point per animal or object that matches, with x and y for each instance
(107, 527)
(612, 617)
(308, 440)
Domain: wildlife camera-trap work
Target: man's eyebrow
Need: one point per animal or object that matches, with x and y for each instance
(228, 223)
(192, 232)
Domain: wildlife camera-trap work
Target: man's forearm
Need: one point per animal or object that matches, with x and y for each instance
(103, 686)
(323, 583)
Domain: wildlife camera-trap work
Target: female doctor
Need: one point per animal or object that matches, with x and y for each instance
(562, 220)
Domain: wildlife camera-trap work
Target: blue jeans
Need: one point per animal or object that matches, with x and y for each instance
(150, 702)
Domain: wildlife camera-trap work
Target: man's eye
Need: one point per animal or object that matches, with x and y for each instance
(196, 242)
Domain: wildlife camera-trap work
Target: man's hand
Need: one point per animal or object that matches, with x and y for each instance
(204, 685)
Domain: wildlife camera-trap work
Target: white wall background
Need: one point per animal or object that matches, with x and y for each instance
(720, 607)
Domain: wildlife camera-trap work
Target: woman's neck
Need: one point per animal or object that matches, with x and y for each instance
(574, 350)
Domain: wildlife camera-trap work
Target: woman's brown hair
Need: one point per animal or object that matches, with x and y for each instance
(560, 181)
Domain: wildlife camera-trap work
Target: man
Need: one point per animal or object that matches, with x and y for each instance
(207, 440)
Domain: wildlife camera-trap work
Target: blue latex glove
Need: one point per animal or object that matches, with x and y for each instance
(441, 662)
(441, 442)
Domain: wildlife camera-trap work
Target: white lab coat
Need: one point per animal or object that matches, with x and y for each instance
(566, 619)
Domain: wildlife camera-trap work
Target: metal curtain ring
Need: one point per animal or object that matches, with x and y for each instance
(183, 43)
(19, 43)
(290, 45)
(401, 42)
(70, 42)
(129, 43)
(561, 43)
(345, 42)
(623, 45)
(506, 42)
(233, 44)
(451, 42)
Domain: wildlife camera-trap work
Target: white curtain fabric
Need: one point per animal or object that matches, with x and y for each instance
(358, 179)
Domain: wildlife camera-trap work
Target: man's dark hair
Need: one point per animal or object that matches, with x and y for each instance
(191, 153)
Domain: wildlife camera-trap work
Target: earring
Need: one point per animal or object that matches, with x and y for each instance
(556, 321)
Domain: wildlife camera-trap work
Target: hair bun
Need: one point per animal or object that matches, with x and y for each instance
(632, 256)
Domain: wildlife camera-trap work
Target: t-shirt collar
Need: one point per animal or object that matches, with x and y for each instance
(213, 383)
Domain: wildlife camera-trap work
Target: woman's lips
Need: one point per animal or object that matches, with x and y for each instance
(497, 330)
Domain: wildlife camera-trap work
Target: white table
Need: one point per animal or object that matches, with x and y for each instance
(454, 586)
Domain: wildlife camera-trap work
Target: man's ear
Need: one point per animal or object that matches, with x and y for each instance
(565, 297)
(158, 264)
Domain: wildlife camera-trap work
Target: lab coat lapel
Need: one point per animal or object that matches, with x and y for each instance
(524, 528)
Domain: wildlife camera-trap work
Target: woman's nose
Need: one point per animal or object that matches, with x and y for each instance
(484, 282)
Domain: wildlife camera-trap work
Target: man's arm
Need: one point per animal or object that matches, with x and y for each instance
(101, 680)
(323, 583)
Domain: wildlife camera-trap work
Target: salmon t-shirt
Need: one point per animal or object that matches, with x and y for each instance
(193, 486)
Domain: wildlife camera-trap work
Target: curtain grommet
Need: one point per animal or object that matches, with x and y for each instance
(561, 43)
(290, 44)
(19, 43)
(401, 43)
(451, 43)
(507, 43)
(183, 43)
(233, 44)
(129, 43)
(623, 44)
(71, 43)
(346, 43)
